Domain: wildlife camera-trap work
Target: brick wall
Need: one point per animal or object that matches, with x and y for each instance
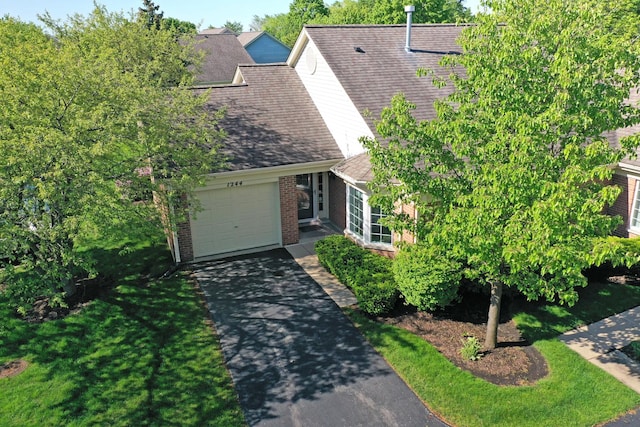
(288, 209)
(338, 201)
(622, 206)
(185, 243)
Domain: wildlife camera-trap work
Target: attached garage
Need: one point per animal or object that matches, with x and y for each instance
(236, 218)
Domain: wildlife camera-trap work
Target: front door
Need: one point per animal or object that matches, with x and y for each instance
(305, 193)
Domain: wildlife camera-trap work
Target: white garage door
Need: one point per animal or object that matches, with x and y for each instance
(236, 218)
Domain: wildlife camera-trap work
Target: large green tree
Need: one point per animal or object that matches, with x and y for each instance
(511, 178)
(96, 115)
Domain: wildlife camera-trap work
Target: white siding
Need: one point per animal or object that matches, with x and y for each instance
(336, 108)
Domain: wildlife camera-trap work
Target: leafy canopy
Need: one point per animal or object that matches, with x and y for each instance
(96, 116)
(511, 177)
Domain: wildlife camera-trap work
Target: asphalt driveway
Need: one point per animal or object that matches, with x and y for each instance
(295, 359)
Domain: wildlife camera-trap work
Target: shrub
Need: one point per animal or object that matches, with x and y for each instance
(427, 277)
(368, 275)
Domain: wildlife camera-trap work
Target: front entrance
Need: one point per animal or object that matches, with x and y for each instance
(311, 192)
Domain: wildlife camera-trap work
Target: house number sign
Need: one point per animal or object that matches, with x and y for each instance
(234, 184)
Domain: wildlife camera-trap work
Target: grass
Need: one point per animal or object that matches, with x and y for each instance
(575, 393)
(144, 355)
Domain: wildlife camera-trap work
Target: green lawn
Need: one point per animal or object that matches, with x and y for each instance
(575, 393)
(144, 355)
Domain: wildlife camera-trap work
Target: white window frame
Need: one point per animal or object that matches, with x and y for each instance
(367, 222)
(634, 217)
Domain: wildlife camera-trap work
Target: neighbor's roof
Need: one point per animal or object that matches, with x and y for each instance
(248, 37)
(372, 65)
(271, 120)
(222, 30)
(223, 54)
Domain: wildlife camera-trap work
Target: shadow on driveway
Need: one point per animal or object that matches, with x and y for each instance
(295, 358)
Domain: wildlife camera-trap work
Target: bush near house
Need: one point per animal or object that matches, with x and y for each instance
(368, 275)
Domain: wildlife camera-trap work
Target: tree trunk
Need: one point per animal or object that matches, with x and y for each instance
(494, 315)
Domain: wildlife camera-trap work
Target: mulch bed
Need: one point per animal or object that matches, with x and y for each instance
(514, 362)
(12, 368)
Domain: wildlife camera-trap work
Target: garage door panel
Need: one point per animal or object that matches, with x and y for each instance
(236, 218)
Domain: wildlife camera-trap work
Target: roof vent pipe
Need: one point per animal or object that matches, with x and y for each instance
(409, 11)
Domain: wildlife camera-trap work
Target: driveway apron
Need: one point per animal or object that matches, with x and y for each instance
(295, 358)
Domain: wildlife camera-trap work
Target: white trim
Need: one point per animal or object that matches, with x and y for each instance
(636, 201)
(263, 175)
(365, 239)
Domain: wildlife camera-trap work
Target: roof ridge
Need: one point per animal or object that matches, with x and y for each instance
(435, 24)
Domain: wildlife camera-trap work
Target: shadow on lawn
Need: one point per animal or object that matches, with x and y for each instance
(141, 355)
(541, 320)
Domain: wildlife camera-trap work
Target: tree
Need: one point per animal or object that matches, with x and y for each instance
(96, 116)
(149, 14)
(234, 26)
(179, 26)
(512, 176)
(257, 23)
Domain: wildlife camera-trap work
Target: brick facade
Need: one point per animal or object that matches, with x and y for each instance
(185, 243)
(289, 209)
(337, 202)
(623, 204)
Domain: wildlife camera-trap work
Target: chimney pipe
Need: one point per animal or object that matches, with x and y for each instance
(409, 11)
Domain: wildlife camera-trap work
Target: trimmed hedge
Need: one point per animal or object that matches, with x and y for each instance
(368, 275)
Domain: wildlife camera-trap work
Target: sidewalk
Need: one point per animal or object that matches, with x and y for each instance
(600, 344)
(305, 255)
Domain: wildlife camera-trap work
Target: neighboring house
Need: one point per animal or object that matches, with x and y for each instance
(222, 55)
(263, 47)
(293, 139)
(222, 30)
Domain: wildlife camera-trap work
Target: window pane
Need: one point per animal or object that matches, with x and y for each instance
(356, 217)
(635, 211)
(379, 233)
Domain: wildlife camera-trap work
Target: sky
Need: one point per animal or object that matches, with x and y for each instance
(203, 13)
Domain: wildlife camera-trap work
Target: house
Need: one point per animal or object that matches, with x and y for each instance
(293, 139)
(263, 47)
(222, 55)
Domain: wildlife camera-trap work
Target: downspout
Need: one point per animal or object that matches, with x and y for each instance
(176, 244)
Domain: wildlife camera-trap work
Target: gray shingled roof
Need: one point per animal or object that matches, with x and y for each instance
(372, 77)
(248, 37)
(384, 68)
(356, 169)
(222, 30)
(271, 120)
(223, 53)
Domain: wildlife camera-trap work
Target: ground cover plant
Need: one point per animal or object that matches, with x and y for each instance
(142, 354)
(572, 392)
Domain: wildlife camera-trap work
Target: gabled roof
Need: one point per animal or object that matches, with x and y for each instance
(372, 65)
(249, 37)
(271, 120)
(223, 53)
(223, 30)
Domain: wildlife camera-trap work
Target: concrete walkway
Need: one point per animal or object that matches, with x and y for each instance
(600, 344)
(305, 256)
